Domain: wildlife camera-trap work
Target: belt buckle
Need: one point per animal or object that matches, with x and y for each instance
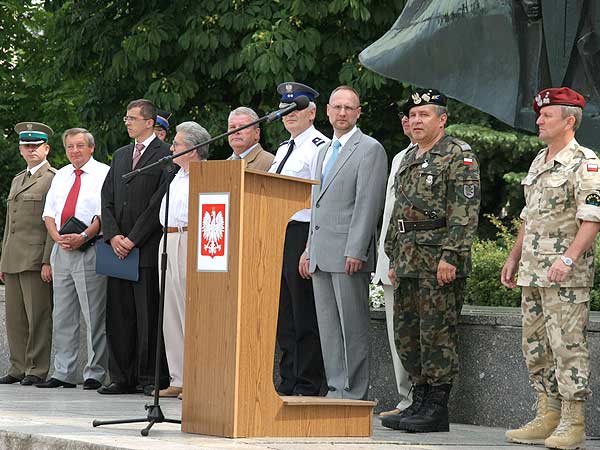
(179, 229)
(401, 226)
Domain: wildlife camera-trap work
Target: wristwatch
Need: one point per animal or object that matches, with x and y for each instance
(84, 235)
(566, 260)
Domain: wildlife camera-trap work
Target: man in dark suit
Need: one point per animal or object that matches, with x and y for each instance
(130, 219)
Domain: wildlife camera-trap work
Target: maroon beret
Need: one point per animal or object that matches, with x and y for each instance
(558, 96)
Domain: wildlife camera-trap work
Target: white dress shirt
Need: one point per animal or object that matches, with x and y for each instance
(301, 161)
(178, 201)
(88, 200)
(343, 141)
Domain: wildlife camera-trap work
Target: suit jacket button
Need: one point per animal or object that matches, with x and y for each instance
(124, 203)
(317, 227)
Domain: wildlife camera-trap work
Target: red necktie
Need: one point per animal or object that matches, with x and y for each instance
(69, 208)
(137, 154)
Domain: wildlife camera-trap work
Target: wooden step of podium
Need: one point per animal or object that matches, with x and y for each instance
(301, 416)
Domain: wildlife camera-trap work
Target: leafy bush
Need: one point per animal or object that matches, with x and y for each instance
(484, 287)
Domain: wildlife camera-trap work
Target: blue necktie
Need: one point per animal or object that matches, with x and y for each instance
(334, 154)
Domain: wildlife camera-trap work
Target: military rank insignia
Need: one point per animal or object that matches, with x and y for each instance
(469, 190)
(592, 167)
(593, 199)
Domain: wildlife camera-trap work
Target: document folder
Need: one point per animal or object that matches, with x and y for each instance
(107, 263)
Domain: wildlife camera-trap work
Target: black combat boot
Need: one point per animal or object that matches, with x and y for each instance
(433, 414)
(419, 393)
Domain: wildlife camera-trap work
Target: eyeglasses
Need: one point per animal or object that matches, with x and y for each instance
(128, 119)
(340, 108)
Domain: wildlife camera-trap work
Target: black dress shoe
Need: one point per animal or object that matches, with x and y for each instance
(31, 380)
(116, 388)
(54, 383)
(90, 384)
(149, 390)
(8, 379)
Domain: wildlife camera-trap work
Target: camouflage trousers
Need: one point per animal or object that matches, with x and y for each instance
(425, 328)
(554, 340)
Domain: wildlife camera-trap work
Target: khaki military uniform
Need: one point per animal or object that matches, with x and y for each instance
(25, 247)
(435, 217)
(559, 195)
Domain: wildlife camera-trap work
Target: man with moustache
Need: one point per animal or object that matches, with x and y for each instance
(25, 264)
(245, 143)
(130, 219)
(554, 256)
(301, 365)
(340, 257)
(381, 276)
(429, 245)
(75, 193)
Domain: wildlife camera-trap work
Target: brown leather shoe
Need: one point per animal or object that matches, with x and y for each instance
(389, 413)
(171, 391)
(180, 396)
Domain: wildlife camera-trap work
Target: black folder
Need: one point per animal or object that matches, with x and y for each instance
(108, 263)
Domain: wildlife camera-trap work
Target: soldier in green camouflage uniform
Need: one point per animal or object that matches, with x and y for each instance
(555, 257)
(429, 245)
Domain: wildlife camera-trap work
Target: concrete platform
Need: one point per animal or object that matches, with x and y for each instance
(53, 419)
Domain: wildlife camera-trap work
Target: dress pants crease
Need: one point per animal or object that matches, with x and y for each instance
(301, 365)
(342, 303)
(29, 323)
(131, 325)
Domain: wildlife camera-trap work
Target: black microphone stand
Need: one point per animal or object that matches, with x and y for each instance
(155, 414)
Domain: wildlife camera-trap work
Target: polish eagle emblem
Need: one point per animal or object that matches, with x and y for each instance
(213, 230)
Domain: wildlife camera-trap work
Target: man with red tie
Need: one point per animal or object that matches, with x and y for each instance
(130, 219)
(75, 193)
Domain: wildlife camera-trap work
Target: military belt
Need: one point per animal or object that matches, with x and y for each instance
(404, 226)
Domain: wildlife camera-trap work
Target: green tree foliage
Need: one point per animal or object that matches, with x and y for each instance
(201, 59)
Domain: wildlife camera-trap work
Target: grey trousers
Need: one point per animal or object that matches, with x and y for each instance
(342, 303)
(78, 289)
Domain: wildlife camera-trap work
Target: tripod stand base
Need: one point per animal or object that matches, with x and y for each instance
(155, 415)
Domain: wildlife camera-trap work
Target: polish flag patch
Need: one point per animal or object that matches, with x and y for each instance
(468, 161)
(592, 167)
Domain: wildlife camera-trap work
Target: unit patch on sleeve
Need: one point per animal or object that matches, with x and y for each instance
(469, 190)
(593, 199)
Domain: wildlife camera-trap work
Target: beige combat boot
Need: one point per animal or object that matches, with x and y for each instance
(542, 426)
(570, 433)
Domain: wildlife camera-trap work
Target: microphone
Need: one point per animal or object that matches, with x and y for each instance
(301, 102)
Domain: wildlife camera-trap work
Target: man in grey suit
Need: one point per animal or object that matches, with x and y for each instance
(340, 254)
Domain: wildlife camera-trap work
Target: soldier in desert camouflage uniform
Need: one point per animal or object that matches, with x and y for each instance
(555, 258)
(429, 246)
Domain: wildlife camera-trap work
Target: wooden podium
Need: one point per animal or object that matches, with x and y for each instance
(231, 317)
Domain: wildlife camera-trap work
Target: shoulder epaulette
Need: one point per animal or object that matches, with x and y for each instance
(21, 172)
(588, 153)
(52, 169)
(462, 144)
(318, 141)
